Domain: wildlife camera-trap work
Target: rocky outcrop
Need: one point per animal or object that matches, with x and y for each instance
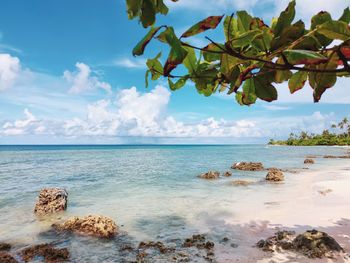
(198, 241)
(337, 157)
(274, 175)
(248, 166)
(309, 161)
(316, 244)
(312, 243)
(4, 246)
(51, 200)
(99, 226)
(49, 253)
(242, 183)
(210, 175)
(227, 174)
(7, 258)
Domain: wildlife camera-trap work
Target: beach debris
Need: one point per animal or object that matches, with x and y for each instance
(274, 175)
(49, 253)
(227, 174)
(325, 192)
(309, 161)
(312, 243)
(316, 244)
(4, 246)
(7, 258)
(210, 175)
(248, 166)
(92, 225)
(242, 183)
(51, 200)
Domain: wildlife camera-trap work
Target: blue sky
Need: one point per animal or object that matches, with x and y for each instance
(67, 76)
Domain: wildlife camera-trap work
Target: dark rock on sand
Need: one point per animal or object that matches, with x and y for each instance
(99, 226)
(7, 258)
(242, 183)
(5, 246)
(282, 239)
(51, 200)
(248, 166)
(325, 192)
(227, 174)
(198, 241)
(316, 244)
(309, 161)
(274, 175)
(156, 245)
(210, 175)
(49, 253)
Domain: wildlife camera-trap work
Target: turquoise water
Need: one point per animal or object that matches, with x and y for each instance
(152, 192)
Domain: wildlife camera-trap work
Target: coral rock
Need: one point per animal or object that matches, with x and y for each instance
(309, 161)
(210, 175)
(46, 251)
(7, 258)
(275, 175)
(51, 200)
(248, 166)
(227, 174)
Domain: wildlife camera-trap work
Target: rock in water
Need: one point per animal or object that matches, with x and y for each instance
(316, 244)
(274, 175)
(47, 252)
(51, 200)
(309, 161)
(7, 258)
(242, 183)
(5, 247)
(99, 226)
(245, 166)
(227, 174)
(210, 175)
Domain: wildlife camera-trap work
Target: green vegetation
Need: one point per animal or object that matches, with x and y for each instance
(339, 135)
(254, 56)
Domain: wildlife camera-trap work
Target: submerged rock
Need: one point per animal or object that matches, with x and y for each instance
(5, 246)
(248, 166)
(210, 175)
(156, 245)
(274, 175)
(242, 183)
(99, 226)
(227, 174)
(316, 244)
(309, 161)
(7, 258)
(51, 200)
(282, 239)
(49, 253)
(325, 192)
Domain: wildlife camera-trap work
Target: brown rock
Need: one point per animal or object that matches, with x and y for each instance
(227, 174)
(210, 175)
(316, 244)
(5, 247)
(51, 200)
(7, 258)
(325, 192)
(99, 226)
(248, 166)
(275, 175)
(337, 157)
(47, 252)
(156, 245)
(309, 161)
(242, 183)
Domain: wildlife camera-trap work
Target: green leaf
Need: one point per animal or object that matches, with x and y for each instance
(209, 52)
(146, 77)
(297, 81)
(243, 21)
(264, 89)
(190, 62)
(230, 29)
(133, 7)
(285, 19)
(282, 75)
(140, 47)
(288, 35)
(148, 13)
(335, 30)
(246, 38)
(155, 67)
(345, 16)
(249, 96)
(319, 19)
(178, 84)
(297, 57)
(161, 7)
(239, 98)
(210, 22)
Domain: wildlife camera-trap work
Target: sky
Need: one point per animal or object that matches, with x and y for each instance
(67, 76)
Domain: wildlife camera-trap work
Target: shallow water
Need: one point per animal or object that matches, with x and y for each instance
(152, 192)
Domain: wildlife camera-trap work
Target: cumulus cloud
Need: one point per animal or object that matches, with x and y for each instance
(83, 80)
(10, 68)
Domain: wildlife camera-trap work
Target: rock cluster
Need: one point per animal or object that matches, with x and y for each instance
(51, 200)
(227, 174)
(7, 258)
(49, 253)
(309, 161)
(210, 175)
(312, 243)
(5, 246)
(99, 226)
(248, 166)
(274, 175)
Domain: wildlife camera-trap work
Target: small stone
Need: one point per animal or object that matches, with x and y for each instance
(5, 247)
(227, 174)
(210, 175)
(309, 161)
(275, 175)
(51, 200)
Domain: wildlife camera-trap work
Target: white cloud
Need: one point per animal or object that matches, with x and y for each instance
(136, 63)
(82, 80)
(10, 69)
